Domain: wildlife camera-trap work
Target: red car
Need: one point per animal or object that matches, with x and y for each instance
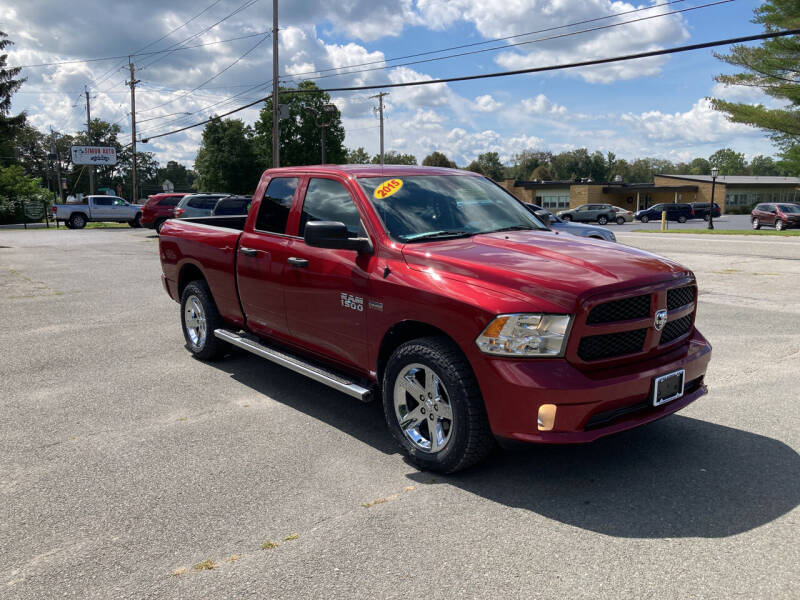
(159, 208)
(436, 292)
(780, 215)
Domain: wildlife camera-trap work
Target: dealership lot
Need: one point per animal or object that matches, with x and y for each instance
(126, 462)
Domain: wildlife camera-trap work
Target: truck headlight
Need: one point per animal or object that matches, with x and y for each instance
(525, 335)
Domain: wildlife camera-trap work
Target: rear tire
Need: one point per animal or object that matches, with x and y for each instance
(681, 219)
(644, 219)
(77, 221)
(426, 381)
(620, 221)
(756, 224)
(705, 217)
(137, 221)
(199, 318)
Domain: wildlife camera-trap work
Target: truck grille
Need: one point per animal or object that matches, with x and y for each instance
(611, 345)
(635, 316)
(681, 296)
(636, 307)
(675, 329)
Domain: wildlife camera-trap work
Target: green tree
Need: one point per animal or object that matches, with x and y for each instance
(489, 165)
(438, 159)
(771, 67)
(729, 162)
(392, 157)
(358, 156)
(16, 188)
(300, 139)
(763, 165)
(181, 177)
(226, 160)
(541, 173)
(700, 166)
(9, 83)
(524, 163)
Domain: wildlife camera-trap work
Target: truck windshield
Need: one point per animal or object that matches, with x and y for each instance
(426, 207)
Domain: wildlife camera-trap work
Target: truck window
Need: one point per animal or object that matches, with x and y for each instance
(329, 200)
(171, 201)
(102, 201)
(274, 211)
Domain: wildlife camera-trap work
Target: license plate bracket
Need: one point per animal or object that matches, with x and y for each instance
(669, 387)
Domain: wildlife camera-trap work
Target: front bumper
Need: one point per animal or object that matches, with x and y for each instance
(590, 404)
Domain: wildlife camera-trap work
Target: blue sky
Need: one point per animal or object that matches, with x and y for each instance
(652, 107)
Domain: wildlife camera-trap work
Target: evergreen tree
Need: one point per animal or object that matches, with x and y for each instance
(9, 83)
(438, 159)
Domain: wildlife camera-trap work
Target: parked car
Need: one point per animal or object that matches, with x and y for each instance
(702, 210)
(97, 209)
(623, 215)
(602, 213)
(436, 293)
(557, 224)
(675, 212)
(780, 215)
(159, 208)
(197, 205)
(232, 205)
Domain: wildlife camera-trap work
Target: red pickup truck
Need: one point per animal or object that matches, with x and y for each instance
(435, 291)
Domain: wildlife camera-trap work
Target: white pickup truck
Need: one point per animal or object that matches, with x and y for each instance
(98, 208)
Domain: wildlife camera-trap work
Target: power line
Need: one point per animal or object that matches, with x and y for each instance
(585, 63)
(505, 46)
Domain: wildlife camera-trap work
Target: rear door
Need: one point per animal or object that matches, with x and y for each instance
(262, 257)
(327, 290)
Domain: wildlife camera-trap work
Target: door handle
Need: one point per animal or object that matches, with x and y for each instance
(248, 251)
(297, 262)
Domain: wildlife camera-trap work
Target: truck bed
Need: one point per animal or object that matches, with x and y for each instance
(208, 244)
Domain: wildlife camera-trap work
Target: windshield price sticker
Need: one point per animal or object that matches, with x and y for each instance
(387, 188)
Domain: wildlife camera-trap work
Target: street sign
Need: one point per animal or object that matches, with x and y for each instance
(94, 155)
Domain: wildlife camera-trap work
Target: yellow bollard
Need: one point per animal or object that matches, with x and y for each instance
(663, 220)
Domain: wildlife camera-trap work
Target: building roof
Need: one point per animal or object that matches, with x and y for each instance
(646, 187)
(739, 179)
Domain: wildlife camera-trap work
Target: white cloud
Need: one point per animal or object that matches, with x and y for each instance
(486, 103)
(700, 124)
(542, 106)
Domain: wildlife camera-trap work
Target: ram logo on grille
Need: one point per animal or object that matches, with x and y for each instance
(660, 320)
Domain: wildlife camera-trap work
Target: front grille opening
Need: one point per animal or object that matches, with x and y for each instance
(681, 296)
(609, 417)
(675, 329)
(596, 347)
(636, 307)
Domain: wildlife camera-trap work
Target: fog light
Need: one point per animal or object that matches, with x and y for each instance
(547, 417)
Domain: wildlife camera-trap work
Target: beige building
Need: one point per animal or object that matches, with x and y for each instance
(730, 192)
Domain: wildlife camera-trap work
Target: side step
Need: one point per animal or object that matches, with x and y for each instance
(298, 365)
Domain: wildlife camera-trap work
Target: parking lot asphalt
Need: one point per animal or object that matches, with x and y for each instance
(127, 464)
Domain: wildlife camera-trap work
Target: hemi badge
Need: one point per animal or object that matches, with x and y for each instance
(376, 305)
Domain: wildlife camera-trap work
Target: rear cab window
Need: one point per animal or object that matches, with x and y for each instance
(170, 201)
(273, 213)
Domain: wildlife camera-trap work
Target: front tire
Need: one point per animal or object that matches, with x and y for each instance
(644, 219)
(779, 225)
(433, 406)
(567, 218)
(199, 318)
(602, 220)
(756, 224)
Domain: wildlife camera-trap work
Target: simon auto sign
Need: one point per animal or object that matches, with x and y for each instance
(94, 155)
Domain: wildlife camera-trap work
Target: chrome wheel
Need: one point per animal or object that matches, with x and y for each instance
(194, 318)
(779, 226)
(756, 224)
(422, 407)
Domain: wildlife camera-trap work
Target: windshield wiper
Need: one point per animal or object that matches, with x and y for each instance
(513, 228)
(444, 233)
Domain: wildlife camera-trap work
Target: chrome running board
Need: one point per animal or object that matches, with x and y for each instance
(297, 364)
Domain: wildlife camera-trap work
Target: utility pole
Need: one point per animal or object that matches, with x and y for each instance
(132, 83)
(54, 151)
(276, 119)
(380, 112)
(89, 137)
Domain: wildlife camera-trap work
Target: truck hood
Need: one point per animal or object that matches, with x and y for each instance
(543, 266)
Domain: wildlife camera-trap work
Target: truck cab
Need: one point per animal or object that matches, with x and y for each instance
(97, 209)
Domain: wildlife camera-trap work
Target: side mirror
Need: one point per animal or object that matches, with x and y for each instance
(543, 216)
(333, 235)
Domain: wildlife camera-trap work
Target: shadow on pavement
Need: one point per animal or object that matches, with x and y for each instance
(679, 477)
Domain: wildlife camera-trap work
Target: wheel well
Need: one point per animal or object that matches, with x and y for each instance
(78, 212)
(188, 274)
(401, 333)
